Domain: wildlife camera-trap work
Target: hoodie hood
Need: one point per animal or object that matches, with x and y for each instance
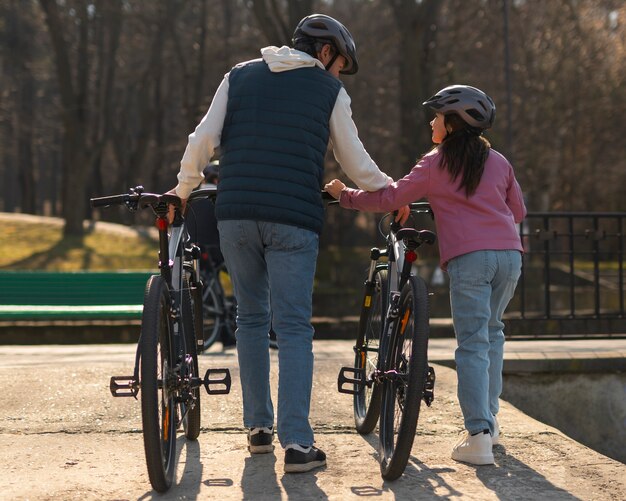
(285, 58)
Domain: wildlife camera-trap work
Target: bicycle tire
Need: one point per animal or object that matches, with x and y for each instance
(158, 409)
(212, 310)
(401, 397)
(191, 421)
(368, 399)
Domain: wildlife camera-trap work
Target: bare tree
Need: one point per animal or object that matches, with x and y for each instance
(417, 30)
(276, 24)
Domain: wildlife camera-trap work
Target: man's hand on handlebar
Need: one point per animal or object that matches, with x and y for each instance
(171, 208)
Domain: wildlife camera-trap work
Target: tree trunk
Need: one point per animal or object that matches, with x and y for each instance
(73, 98)
(416, 22)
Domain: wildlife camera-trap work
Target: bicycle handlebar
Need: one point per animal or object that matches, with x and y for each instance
(112, 200)
(136, 196)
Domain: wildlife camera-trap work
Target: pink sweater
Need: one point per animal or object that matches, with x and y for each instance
(486, 220)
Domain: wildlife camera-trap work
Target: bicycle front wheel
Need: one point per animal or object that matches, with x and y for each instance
(158, 408)
(367, 399)
(406, 370)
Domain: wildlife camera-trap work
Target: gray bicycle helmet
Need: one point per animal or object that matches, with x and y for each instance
(471, 104)
(326, 29)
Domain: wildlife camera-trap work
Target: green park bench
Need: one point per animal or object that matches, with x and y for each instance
(79, 295)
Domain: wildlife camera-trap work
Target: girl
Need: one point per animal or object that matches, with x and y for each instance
(477, 202)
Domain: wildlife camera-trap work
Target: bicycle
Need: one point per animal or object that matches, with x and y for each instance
(391, 375)
(166, 361)
(219, 308)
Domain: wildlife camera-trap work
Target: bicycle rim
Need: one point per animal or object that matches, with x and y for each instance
(368, 399)
(401, 396)
(191, 411)
(212, 311)
(158, 409)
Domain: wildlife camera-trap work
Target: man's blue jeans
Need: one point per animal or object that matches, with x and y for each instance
(272, 267)
(481, 285)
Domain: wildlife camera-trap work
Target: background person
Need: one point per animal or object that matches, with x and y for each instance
(273, 119)
(477, 202)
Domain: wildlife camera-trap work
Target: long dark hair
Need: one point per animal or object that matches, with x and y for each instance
(464, 152)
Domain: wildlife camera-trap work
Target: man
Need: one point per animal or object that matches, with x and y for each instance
(273, 118)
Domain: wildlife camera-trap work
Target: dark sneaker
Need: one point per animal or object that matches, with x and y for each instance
(260, 440)
(299, 459)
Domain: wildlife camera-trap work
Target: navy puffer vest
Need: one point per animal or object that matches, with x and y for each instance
(273, 144)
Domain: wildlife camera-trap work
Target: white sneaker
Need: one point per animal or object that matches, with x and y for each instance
(495, 438)
(474, 449)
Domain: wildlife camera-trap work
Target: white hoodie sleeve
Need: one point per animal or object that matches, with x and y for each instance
(202, 143)
(355, 161)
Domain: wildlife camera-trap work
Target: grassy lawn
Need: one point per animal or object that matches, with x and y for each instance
(27, 245)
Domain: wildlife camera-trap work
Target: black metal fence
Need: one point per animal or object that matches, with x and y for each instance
(573, 272)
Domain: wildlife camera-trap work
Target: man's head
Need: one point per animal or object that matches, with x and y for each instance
(328, 40)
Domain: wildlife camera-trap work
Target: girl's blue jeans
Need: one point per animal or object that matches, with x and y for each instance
(272, 267)
(481, 285)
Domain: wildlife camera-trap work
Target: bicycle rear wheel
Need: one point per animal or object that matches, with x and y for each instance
(402, 393)
(158, 409)
(367, 400)
(190, 408)
(213, 309)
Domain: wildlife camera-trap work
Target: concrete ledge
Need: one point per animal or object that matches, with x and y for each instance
(548, 356)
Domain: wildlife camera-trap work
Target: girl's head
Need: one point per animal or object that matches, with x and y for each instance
(475, 108)
(462, 113)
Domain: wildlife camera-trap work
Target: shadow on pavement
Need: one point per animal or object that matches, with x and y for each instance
(510, 477)
(258, 480)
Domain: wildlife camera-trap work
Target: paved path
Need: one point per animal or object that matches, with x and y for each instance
(66, 438)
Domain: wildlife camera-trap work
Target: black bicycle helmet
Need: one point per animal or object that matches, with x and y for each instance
(471, 104)
(328, 30)
(211, 171)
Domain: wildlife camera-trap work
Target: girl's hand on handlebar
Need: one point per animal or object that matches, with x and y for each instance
(335, 187)
(403, 214)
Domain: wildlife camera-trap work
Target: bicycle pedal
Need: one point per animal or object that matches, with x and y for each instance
(357, 379)
(222, 383)
(124, 386)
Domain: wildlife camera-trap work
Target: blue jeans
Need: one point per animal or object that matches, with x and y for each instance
(481, 285)
(272, 267)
